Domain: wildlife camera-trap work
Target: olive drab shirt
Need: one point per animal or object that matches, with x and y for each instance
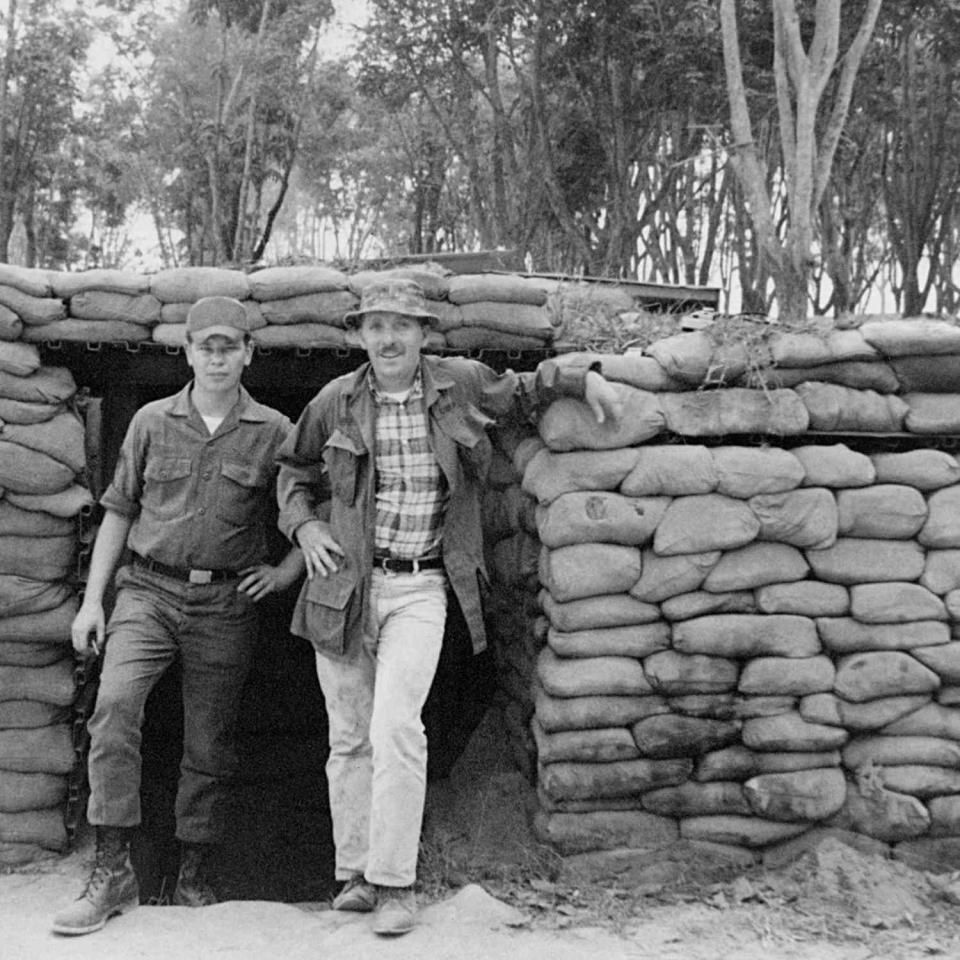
(196, 499)
(327, 465)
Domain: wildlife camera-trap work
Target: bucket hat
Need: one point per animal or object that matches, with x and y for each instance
(392, 296)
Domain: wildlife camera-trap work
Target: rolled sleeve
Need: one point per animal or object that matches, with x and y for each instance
(124, 491)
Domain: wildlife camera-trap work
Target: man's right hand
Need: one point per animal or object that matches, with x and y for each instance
(88, 629)
(321, 553)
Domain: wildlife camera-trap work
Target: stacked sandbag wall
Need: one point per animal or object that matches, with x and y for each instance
(41, 500)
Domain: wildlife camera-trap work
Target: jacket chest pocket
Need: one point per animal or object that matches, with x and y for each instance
(241, 498)
(467, 427)
(341, 457)
(167, 484)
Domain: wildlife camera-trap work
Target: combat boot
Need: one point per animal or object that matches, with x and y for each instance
(111, 888)
(193, 886)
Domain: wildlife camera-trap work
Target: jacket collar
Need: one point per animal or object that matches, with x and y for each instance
(433, 379)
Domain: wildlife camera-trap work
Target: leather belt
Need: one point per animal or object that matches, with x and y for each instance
(182, 573)
(395, 565)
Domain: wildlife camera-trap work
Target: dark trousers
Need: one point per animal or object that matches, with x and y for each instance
(212, 629)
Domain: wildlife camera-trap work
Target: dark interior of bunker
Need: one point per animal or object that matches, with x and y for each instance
(281, 847)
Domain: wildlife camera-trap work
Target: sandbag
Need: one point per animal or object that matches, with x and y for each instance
(808, 598)
(15, 854)
(28, 471)
(923, 469)
(601, 745)
(635, 369)
(664, 577)
(326, 308)
(499, 288)
(885, 751)
(859, 375)
(911, 336)
(608, 610)
(53, 684)
(832, 407)
(637, 640)
(19, 653)
(853, 560)
(795, 676)
(674, 674)
(30, 791)
(30, 280)
(621, 778)
(874, 714)
(922, 780)
(591, 676)
(866, 676)
(699, 603)
(942, 528)
(572, 834)
(756, 565)
(697, 358)
(594, 711)
(930, 720)
(87, 331)
(42, 827)
(31, 310)
(846, 635)
(801, 795)
(587, 569)
(49, 385)
(810, 349)
(306, 335)
(11, 326)
(66, 284)
(515, 319)
(835, 466)
(692, 799)
(21, 595)
(894, 603)
(65, 503)
(704, 523)
(884, 511)
(550, 474)
(569, 424)
(486, 338)
(803, 518)
(745, 472)
(719, 413)
(743, 635)
(15, 521)
(789, 731)
(432, 278)
(189, 284)
(943, 660)
(740, 831)
(26, 714)
(61, 437)
(941, 572)
(882, 814)
(714, 706)
(672, 735)
(107, 305)
(930, 374)
(932, 413)
(449, 315)
(19, 359)
(599, 517)
(22, 411)
(733, 763)
(673, 469)
(41, 750)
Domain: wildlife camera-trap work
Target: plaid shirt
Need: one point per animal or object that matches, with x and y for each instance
(411, 491)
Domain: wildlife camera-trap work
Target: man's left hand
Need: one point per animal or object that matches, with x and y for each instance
(602, 398)
(262, 580)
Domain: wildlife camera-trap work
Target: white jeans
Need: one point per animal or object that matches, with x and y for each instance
(377, 768)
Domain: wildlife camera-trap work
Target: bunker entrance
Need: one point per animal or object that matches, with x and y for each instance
(280, 845)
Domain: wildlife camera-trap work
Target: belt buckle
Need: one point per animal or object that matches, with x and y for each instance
(201, 576)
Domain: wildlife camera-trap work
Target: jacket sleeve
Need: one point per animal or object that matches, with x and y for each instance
(301, 479)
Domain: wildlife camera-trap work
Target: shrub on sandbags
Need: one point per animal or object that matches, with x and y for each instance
(745, 472)
(599, 517)
(923, 469)
(664, 577)
(48, 385)
(674, 470)
(846, 635)
(20, 359)
(835, 466)
(831, 407)
(866, 676)
(569, 424)
(703, 523)
(718, 413)
(802, 518)
(808, 598)
(756, 565)
(189, 284)
(853, 560)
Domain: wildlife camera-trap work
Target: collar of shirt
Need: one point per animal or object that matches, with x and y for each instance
(246, 408)
(381, 397)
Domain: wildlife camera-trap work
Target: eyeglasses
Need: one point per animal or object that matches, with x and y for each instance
(229, 350)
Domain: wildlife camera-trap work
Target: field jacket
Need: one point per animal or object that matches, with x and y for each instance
(327, 469)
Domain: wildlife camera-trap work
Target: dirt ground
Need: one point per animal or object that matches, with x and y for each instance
(490, 891)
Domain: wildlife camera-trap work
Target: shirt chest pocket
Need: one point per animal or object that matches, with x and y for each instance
(341, 457)
(167, 482)
(241, 499)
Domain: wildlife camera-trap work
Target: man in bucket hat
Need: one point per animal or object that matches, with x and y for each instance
(192, 498)
(380, 484)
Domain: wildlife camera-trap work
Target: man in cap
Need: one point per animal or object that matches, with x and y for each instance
(192, 498)
(380, 484)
